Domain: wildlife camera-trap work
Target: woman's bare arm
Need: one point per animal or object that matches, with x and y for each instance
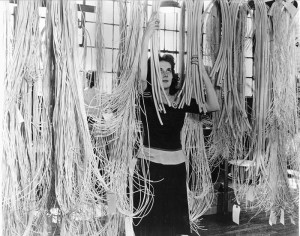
(211, 103)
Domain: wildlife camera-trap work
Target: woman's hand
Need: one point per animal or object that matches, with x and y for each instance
(152, 25)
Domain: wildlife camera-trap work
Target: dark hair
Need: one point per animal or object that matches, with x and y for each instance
(168, 58)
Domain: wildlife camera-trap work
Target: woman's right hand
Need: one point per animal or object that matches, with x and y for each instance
(153, 24)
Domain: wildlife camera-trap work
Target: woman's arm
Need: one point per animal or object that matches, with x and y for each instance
(152, 25)
(211, 103)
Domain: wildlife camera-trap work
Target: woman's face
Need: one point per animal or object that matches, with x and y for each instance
(166, 74)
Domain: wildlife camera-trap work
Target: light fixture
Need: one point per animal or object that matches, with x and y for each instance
(169, 6)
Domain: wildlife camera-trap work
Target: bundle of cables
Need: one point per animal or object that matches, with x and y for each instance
(116, 129)
(26, 131)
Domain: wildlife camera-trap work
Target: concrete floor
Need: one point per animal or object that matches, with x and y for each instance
(218, 225)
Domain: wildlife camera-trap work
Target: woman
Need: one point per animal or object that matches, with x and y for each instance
(169, 215)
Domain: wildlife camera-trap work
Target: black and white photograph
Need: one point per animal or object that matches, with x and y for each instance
(149, 117)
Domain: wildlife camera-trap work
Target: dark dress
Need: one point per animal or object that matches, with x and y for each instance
(169, 215)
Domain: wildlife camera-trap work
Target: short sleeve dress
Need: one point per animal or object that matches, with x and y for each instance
(169, 215)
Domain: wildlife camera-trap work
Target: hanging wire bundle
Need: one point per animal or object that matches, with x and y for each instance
(99, 44)
(230, 125)
(274, 144)
(26, 132)
(200, 187)
(182, 29)
(211, 51)
(3, 70)
(245, 178)
(122, 32)
(193, 85)
(75, 162)
(240, 42)
(261, 101)
(93, 176)
(117, 129)
(277, 145)
(261, 97)
(158, 92)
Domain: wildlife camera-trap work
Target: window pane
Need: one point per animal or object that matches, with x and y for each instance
(249, 48)
(108, 60)
(170, 40)
(249, 67)
(90, 17)
(107, 34)
(90, 33)
(91, 3)
(91, 59)
(115, 60)
(108, 9)
(116, 39)
(170, 21)
(162, 39)
(116, 13)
